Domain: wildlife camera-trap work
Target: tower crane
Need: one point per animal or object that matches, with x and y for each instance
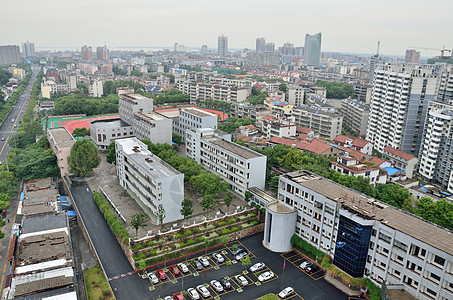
(442, 51)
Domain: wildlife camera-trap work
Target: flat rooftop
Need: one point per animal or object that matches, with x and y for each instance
(235, 148)
(31, 224)
(370, 208)
(150, 116)
(110, 123)
(43, 247)
(198, 112)
(316, 110)
(39, 184)
(279, 208)
(61, 136)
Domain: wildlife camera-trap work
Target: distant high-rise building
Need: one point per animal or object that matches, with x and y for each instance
(299, 51)
(222, 45)
(9, 54)
(312, 49)
(287, 49)
(204, 49)
(270, 47)
(102, 53)
(412, 56)
(374, 61)
(260, 45)
(28, 49)
(87, 52)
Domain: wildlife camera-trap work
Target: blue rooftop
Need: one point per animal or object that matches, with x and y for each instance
(391, 170)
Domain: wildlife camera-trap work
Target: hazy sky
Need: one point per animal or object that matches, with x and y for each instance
(347, 26)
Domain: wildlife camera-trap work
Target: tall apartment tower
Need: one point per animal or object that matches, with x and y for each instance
(312, 49)
(399, 101)
(28, 49)
(204, 50)
(102, 53)
(222, 45)
(260, 45)
(412, 57)
(87, 52)
(9, 54)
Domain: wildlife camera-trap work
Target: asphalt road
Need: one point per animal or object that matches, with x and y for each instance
(109, 251)
(9, 126)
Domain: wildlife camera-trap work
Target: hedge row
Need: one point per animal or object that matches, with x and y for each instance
(116, 226)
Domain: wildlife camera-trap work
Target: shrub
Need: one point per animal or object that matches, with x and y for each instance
(116, 226)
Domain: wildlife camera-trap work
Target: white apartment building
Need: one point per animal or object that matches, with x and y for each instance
(103, 132)
(204, 91)
(295, 95)
(137, 110)
(355, 115)
(190, 118)
(149, 180)
(324, 122)
(399, 103)
(401, 160)
(95, 89)
(246, 110)
(239, 166)
(279, 127)
(348, 165)
(365, 237)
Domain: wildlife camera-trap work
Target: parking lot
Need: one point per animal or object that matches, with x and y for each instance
(306, 286)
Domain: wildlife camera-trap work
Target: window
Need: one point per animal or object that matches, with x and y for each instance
(385, 237)
(439, 260)
(400, 245)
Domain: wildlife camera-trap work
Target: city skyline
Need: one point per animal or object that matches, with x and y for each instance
(346, 27)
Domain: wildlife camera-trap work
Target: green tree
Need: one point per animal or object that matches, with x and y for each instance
(228, 200)
(282, 87)
(247, 196)
(207, 203)
(137, 221)
(161, 214)
(83, 88)
(176, 138)
(83, 131)
(111, 153)
(255, 91)
(84, 158)
(186, 208)
(273, 183)
(245, 261)
(4, 76)
(337, 90)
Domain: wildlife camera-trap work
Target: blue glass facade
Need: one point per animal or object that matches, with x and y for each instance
(352, 247)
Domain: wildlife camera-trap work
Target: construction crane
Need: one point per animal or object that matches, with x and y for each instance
(442, 51)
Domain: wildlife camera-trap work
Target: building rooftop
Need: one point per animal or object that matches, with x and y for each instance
(316, 110)
(373, 209)
(150, 116)
(61, 136)
(198, 112)
(31, 224)
(235, 149)
(278, 207)
(110, 123)
(399, 153)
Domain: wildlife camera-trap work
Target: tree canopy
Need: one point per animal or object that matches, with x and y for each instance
(84, 158)
(83, 131)
(337, 90)
(257, 99)
(4, 76)
(232, 124)
(111, 153)
(82, 104)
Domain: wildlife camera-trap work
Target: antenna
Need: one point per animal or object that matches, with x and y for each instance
(378, 44)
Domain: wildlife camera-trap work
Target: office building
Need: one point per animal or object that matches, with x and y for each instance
(28, 49)
(412, 57)
(239, 166)
(222, 46)
(102, 53)
(137, 110)
(365, 237)
(324, 122)
(87, 52)
(191, 118)
(399, 103)
(149, 180)
(312, 49)
(9, 54)
(260, 45)
(355, 115)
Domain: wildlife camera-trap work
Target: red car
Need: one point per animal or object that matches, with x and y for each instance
(174, 270)
(161, 274)
(178, 296)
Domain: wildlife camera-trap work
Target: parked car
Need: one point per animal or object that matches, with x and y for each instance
(218, 257)
(203, 291)
(168, 298)
(242, 255)
(237, 251)
(204, 261)
(178, 296)
(241, 280)
(193, 294)
(266, 276)
(312, 269)
(153, 278)
(216, 286)
(198, 265)
(225, 283)
(257, 267)
(174, 270)
(305, 264)
(161, 274)
(286, 292)
(183, 267)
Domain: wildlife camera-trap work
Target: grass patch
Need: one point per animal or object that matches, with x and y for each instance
(96, 284)
(269, 297)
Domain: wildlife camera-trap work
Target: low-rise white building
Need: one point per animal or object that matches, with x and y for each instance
(190, 118)
(326, 123)
(348, 165)
(239, 166)
(103, 132)
(149, 180)
(278, 127)
(401, 160)
(355, 115)
(95, 89)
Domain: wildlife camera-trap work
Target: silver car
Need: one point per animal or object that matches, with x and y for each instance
(204, 261)
(216, 286)
(193, 294)
(203, 291)
(153, 278)
(218, 257)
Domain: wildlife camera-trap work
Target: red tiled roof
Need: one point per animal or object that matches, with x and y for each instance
(303, 130)
(245, 138)
(399, 153)
(356, 142)
(317, 147)
(378, 161)
(250, 127)
(302, 137)
(269, 117)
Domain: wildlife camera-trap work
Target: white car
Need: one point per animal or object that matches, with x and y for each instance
(183, 267)
(241, 280)
(286, 292)
(266, 276)
(218, 257)
(305, 264)
(153, 278)
(168, 298)
(242, 255)
(193, 294)
(257, 267)
(216, 286)
(204, 261)
(203, 291)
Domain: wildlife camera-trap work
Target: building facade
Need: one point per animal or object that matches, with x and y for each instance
(149, 180)
(95, 89)
(412, 57)
(401, 160)
(355, 115)
(312, 49)
(222, 46)
(28, 49)
(103, 132)
(239, 166)
(191, 118)
(278, 127)
(326, 123)
(9, 54)
(205, 91)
